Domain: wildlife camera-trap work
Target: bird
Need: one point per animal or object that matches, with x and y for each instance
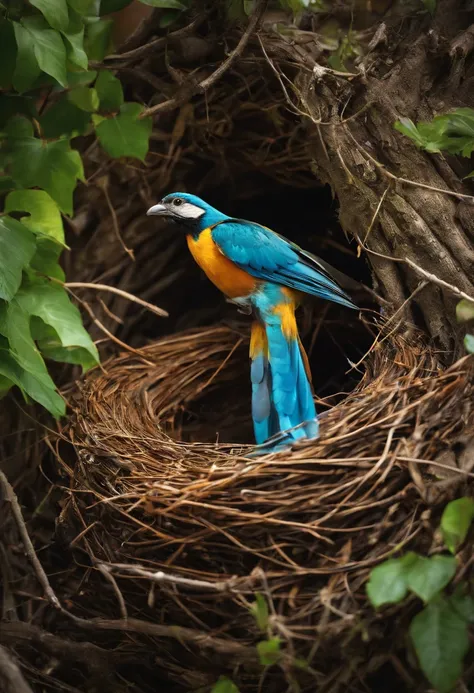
(266, 276)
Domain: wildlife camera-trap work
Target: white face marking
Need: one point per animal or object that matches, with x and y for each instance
(187, 210)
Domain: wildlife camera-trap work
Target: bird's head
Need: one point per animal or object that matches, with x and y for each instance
(187, 210)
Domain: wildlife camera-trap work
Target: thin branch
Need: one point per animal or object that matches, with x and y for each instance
(203, 86)
(162, 578)
(153, 46)
(427, 275)
(10, 497)
(407, 181)
(119, 292)
(102, 184)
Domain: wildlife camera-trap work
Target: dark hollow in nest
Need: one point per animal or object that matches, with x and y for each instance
(179, 536)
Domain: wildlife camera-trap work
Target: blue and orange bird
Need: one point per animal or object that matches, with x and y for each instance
(265, 275)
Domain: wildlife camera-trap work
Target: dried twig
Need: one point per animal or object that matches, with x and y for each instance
(11, 678)
(205, 84)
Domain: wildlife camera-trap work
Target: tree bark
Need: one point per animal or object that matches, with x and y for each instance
(359, 153)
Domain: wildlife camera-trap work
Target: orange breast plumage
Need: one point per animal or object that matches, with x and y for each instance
(230, 279)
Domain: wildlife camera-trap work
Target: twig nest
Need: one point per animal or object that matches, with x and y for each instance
(189, 530)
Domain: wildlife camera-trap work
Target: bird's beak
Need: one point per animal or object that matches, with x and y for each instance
(157, 210)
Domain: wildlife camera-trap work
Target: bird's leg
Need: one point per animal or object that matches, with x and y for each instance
(243, 306)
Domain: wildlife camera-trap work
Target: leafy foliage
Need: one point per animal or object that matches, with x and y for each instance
(452, 132)
(439, 632)
(260, 611)
(224, 685)
(269, 651)
(45, 49)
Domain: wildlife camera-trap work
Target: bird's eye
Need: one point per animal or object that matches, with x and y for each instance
(177, 201)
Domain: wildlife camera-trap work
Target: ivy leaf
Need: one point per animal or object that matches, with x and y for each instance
(428, 576)
(30, 384)
(440, 637)
(125, 134)
(46, 258)
(109, 90)
(98, 39)
(465, 311)
(82, 7)
(269, 651)
(168, 18)
(388, 581)
(51, 347)
(27, 69)
(74, 38)
(17, 246)
(260, 611)
(51, 303)
(8, 53)
(64, 118)
(463, 603)
(224, 685)
(54, 11)
(455, 522)
(469, 343)
(85, 98)
(45, 217)
(82, 78)
(53, 166)
(48, 47)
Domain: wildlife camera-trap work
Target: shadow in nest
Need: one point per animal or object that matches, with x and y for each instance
(174, 538)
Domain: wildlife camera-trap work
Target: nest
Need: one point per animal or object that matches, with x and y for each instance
(180, 535)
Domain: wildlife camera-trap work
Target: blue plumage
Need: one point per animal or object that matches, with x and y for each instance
(282, 398)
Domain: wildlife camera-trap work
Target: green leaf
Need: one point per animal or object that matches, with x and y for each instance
(51, 347)
(30, 384)
(53, 166)
(259, 609)
(46, 258)
(51, 303)
(125, 134)
(465, 311)
(82, 78)
(168, 18)
(388, 581)
(165, 4)
(408, 128)
(27, 69)
(17, 246)
(455, 522)
(440, 637)
(98, 39)
(224, 685)
(54, 11)
(45, 217)
(269, 651)
(428, 576)
(74, 38)
(82, 7)
(109, 90)
(109, 6)
(48, 47)
(469, 343)
(8, 53)
(6, 183)
(85, 98)
(463, 603)
(64, 118)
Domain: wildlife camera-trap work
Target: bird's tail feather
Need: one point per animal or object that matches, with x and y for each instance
(282, 397)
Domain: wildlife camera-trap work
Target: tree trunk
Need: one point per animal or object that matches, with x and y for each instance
(415, 71)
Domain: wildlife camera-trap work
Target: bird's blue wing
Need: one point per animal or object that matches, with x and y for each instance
(268, 256)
